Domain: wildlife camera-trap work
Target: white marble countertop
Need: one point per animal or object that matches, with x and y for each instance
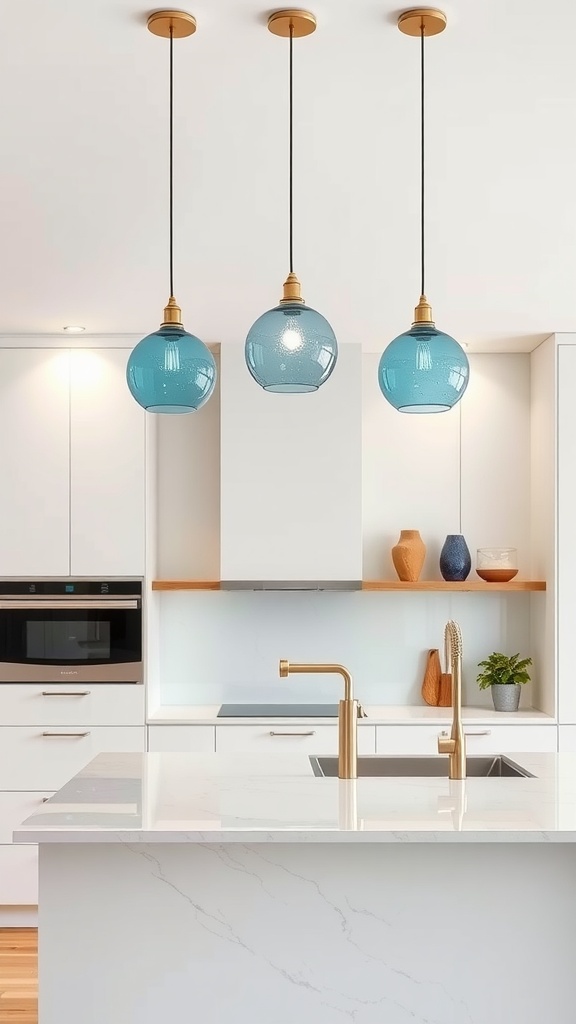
(275, 798)
(385, 714)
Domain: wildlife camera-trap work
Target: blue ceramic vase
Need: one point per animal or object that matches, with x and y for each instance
(455, 561)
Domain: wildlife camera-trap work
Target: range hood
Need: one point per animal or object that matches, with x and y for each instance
(291, 480)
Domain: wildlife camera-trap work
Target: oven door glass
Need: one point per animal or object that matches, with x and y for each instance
(70, 636)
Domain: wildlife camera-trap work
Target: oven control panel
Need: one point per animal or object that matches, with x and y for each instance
(72, 588)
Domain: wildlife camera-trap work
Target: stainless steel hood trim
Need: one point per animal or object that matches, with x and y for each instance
(119, 672)
(336, 585)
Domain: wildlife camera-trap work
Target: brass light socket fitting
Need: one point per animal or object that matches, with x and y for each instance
(292, 291)
(428, 21)
(423, 312)
(177, 24)
(172, 314)
(291, 21)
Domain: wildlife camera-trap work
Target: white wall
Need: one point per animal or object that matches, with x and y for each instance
(468, 469)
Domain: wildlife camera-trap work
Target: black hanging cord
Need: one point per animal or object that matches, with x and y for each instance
(171, 161)
(291, 148)
(422, 283)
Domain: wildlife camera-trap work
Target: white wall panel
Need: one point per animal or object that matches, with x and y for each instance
(410, 478)
(189, 493)
(543, 505)
(566, 531)
(496, 455)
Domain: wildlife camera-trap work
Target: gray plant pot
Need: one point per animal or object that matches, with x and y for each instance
(506, 696)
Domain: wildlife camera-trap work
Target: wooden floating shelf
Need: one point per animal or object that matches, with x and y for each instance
(422, 585)
(466, 585)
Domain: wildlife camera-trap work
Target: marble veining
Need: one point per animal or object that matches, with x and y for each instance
(289, 933)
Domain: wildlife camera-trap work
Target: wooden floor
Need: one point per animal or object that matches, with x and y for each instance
(18, 976)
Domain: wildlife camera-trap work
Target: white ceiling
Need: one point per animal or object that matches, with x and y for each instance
(83, 175)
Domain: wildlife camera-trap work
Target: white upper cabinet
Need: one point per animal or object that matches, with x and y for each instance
(107, 467)
(34, 462)
(291, 477)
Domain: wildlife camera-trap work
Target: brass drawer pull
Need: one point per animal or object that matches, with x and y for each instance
(73, 734)
(65, 693)
(312, 732)
(471, 732)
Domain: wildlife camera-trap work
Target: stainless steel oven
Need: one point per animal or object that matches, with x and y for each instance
(77, 631)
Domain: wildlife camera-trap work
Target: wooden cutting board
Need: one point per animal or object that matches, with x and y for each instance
(432, 678)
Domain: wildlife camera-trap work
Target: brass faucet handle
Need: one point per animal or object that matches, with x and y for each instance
(361, 711)
(284, 668)
(446, 745)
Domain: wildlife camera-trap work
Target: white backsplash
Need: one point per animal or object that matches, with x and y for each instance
(219, 646)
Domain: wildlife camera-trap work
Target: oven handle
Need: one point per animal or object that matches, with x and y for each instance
(64, 605)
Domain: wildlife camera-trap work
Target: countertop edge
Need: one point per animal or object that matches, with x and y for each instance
(394, 715)
(256, 838)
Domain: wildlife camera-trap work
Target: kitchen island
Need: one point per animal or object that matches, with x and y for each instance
(243, 889)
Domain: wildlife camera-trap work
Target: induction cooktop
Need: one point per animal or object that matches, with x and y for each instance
(278, 711)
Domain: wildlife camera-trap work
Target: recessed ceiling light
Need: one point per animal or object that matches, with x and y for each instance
(74, 330)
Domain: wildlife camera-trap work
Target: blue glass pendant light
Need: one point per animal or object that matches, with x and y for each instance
(423, 370)
(171, 371)
(291, 348)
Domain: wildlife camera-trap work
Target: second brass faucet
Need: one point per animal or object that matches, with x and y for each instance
(455, 744)
(348, 712)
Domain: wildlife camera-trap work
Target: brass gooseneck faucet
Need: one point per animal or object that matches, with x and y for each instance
(348, 712)
(455, 744)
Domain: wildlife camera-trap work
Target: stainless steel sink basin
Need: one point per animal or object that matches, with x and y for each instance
(373, 766)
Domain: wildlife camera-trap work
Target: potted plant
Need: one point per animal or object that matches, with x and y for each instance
(505, 675)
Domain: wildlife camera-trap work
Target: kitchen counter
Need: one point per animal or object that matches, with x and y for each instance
(384, 714)
(240, 889)
(275, 798)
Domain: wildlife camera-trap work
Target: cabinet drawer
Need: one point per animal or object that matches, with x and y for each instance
(195, 738)
(14, 808)
(480, 739)
(19, 875)
(305, 738)
(31, 760)
(71, 704)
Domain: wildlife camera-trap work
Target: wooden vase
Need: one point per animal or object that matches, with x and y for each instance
(408, 555)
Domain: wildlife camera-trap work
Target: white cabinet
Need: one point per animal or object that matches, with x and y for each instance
(15, 808)
(192, 738)
(306, 738)
(34, 462)
(291, 476)
(107, 467)
(72, 464)
(69, 704)
(19, 875)
(48, 733)
(34, 757)
(499, 739)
